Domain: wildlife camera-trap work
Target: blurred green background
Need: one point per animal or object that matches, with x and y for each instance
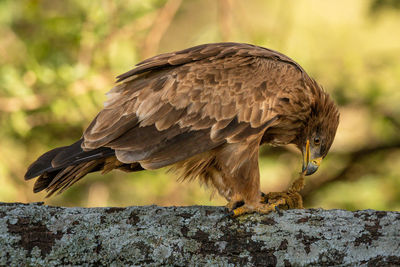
(58, 58)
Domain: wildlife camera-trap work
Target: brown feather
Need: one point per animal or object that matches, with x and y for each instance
(205, 109)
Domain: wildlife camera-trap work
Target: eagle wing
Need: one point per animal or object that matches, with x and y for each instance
(175, 105)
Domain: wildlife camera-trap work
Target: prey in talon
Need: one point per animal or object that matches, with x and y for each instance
(276, 201)
(204, 111)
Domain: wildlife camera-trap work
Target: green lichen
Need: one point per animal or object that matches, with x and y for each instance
(183, 236)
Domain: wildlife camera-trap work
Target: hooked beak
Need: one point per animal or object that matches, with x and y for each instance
(310, 165)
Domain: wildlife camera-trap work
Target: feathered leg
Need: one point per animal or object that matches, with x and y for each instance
(240, 163)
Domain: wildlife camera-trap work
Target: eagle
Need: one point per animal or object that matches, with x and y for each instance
(204, 111)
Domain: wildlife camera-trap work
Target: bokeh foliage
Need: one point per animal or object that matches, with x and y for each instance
(58, 58)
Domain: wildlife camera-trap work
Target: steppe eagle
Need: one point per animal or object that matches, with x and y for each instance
(205, 111)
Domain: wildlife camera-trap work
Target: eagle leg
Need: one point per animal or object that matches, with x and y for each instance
(292, 197)
(234, 202)
(291, 200)
(238, 201)
(259, 207)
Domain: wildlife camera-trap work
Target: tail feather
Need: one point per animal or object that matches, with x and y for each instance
(75, 154)
(60, 168)
(43, 181)
(42, 164)
(70, 175)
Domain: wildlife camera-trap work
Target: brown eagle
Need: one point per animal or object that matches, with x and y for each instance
(204, 110)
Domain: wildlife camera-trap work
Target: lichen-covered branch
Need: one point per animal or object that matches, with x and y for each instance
(34, 234)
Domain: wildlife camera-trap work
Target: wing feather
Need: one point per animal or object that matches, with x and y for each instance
(176, 105)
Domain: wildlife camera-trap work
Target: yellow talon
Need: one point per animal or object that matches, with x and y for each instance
(291, 199)
(239, 211)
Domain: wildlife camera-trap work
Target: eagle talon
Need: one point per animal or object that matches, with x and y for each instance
(278, 210)
(229, 214)
(263, 208)
(264, 198)
(287, 200)
(234, 205)
(238, 204)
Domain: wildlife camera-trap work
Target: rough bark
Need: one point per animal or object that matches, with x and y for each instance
(34, 234)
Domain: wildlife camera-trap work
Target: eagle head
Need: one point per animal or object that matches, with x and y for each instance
(319, 131)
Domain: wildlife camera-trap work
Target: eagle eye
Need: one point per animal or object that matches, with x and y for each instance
(317, 141)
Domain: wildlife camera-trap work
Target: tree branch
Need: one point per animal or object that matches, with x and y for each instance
(33, 234)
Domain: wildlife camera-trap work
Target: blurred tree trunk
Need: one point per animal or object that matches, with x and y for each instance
(33, 234)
